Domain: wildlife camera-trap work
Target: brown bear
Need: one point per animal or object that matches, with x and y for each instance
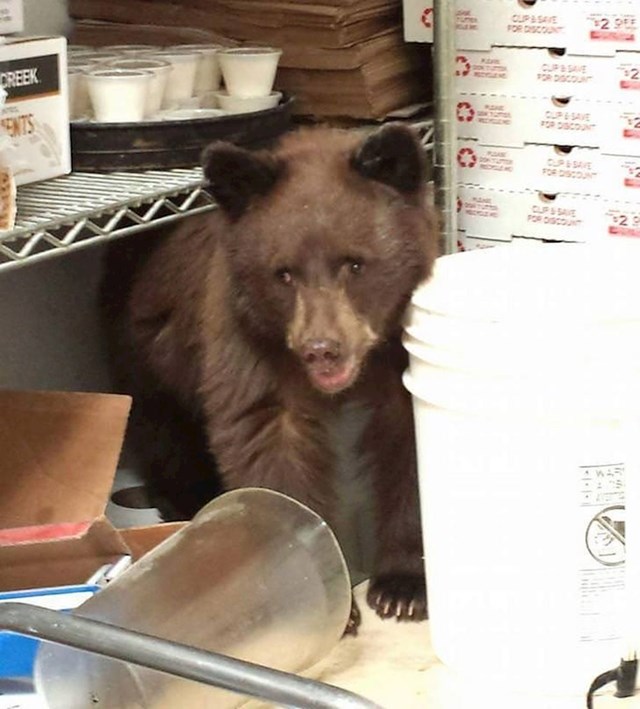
(243, 331)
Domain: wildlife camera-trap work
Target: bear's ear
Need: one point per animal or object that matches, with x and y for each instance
(236, 176)
(392, 155)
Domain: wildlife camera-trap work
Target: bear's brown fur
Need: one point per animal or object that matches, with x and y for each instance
(243, 330)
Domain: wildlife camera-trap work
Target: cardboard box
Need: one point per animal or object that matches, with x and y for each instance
(522, 71)
(620, 134)
(526, 71)
(516, 120)
(417, 20)
(502, 216)
(605, 28)
(472, 23)
(559, 217)
(547, 23)
(59, 455)
(590, 27)
(33, 71)
(550, 169)
(622, 220)
(613, 127)
(471, 243)
(11, 16)
(488, 214)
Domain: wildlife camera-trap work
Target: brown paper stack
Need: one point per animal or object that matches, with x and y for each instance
(341, 57)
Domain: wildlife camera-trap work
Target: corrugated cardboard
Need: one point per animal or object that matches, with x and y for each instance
(97, 33)
(526, 71)
(59, 456)
(325, 24)
(502, 216)
(517, 120)
(589, 27)
(612, 126)
(550, 169)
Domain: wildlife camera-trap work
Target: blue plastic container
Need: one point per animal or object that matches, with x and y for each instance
(18, 652)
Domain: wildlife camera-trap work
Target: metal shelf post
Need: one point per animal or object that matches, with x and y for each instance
(444, 53)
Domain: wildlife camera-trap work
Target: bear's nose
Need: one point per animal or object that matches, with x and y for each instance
(315, 352)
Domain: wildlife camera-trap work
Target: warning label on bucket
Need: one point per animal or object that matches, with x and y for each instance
(601, 485)
(602, 574)
(605, 536)
(601, 596)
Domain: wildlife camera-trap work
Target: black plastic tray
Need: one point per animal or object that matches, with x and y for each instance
(149, 145)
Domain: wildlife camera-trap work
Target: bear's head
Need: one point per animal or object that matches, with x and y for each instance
(326, 237)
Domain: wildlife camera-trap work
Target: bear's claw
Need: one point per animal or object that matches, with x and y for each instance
(354, 619)
(401, 596)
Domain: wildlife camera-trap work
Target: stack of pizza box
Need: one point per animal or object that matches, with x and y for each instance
(548, 117)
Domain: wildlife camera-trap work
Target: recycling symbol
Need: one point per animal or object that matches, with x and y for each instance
(467, 157)
(463, 66)
(427, 17)
(465, 112)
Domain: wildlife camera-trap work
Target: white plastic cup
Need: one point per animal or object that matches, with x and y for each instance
(208, 74)
(209, 100)
(236, 104)
(79, 100)
(73, 81)
(181, 79)
(119, 95)
(130, 48)
(249, 71)
(98, 56)
(160, 70)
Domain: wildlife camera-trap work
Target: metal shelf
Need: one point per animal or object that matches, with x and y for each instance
(78, 210)
(81, 209)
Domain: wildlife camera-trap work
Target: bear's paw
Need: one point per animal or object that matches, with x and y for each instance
(400, 596)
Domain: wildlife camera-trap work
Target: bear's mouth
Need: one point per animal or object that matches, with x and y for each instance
(334, 378)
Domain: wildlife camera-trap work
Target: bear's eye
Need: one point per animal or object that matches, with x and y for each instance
(284, 276)
(354, 265)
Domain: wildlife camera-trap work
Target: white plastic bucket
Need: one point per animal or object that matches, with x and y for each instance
(525, 376)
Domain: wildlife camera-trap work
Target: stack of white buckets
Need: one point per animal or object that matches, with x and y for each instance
(525, 376)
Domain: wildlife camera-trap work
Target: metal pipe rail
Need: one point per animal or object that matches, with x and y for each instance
(282, 688)
(81, 209)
